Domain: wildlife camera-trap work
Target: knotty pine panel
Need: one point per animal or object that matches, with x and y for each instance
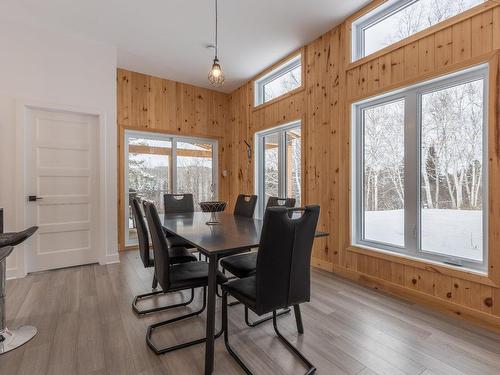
(331, 84)
(159, 105)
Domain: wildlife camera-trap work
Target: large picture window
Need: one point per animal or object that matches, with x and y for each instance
(420, 170)
(156, 164)
(395, 20)
(278, 166)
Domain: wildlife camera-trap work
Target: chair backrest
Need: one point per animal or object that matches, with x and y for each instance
(142, 231)
(283, 260)
(280, 202)
(160, 246)
(245, 205)
(178, 203)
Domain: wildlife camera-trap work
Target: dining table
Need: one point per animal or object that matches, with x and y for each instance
(232, 235)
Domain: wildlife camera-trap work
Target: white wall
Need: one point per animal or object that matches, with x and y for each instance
(65, 70)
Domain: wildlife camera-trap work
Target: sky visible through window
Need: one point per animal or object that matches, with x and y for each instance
(414, 18)
(283, 84)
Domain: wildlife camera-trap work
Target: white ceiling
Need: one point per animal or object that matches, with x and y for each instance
(168, 38)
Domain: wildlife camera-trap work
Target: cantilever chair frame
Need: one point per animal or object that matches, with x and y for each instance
(139, 225)
(271, 202)
(157, 235)
(298, 294)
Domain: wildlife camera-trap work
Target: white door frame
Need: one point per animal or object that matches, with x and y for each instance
(22, 106)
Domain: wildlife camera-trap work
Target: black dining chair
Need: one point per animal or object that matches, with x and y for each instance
(282, 277)
(243, 265)
(245, 205)
(178, 204)
(176, 255)
(175, 278)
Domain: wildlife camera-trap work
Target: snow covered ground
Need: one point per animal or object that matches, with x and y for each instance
(453, 232)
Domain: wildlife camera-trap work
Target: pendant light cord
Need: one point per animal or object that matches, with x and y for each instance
(216, 27)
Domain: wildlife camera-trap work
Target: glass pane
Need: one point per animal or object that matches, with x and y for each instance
(415, 17)
(283, 84)
(149, 173)
(452, 171)
(194, 171)
(383, 175)
(271, 166)
(293, 165)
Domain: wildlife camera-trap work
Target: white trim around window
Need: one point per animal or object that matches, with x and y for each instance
(410, 222)
(390, 8)
(280, 132)
(283, 69)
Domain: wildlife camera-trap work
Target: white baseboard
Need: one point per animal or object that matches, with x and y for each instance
(110, 259)
(14, 273)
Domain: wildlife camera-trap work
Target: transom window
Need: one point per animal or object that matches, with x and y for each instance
(156, 164)
(395, 20)
(420, 168)
(278, 164)
(283, 79)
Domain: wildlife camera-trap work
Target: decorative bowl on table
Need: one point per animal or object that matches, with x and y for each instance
(213, 207)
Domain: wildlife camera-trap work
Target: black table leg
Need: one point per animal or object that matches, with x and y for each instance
(212, 288)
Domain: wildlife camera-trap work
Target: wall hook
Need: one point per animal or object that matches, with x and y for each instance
(249, 150)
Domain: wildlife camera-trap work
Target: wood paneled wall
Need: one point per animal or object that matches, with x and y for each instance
(159, 105)
(331, 84)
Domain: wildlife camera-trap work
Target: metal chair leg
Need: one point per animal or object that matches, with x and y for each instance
(155, 282)
(156, 309)
(164, 350)
(226, 335)
(298, 319)
(263, 320)
(310, 367)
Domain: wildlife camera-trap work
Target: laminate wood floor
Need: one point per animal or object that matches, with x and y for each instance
(86, 326)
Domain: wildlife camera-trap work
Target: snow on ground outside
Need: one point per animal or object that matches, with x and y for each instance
(451, 232)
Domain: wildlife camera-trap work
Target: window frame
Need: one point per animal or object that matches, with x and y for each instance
(282, 69)
(412, 169)
(174, 139)
(281, 131)
(376, 15)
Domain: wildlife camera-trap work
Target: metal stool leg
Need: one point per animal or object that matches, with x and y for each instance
(11, 339)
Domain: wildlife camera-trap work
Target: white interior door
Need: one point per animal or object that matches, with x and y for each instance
(62, 180)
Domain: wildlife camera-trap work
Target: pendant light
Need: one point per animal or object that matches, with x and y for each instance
(216, 76)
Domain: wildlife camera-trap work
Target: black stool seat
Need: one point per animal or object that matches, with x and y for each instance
(15, 238)
(191, 275)
(241, 266)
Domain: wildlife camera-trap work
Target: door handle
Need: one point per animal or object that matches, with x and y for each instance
(33, 198)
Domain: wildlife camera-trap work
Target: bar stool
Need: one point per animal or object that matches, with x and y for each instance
(11, 339)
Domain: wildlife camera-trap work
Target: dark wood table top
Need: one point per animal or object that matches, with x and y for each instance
(233, 232)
